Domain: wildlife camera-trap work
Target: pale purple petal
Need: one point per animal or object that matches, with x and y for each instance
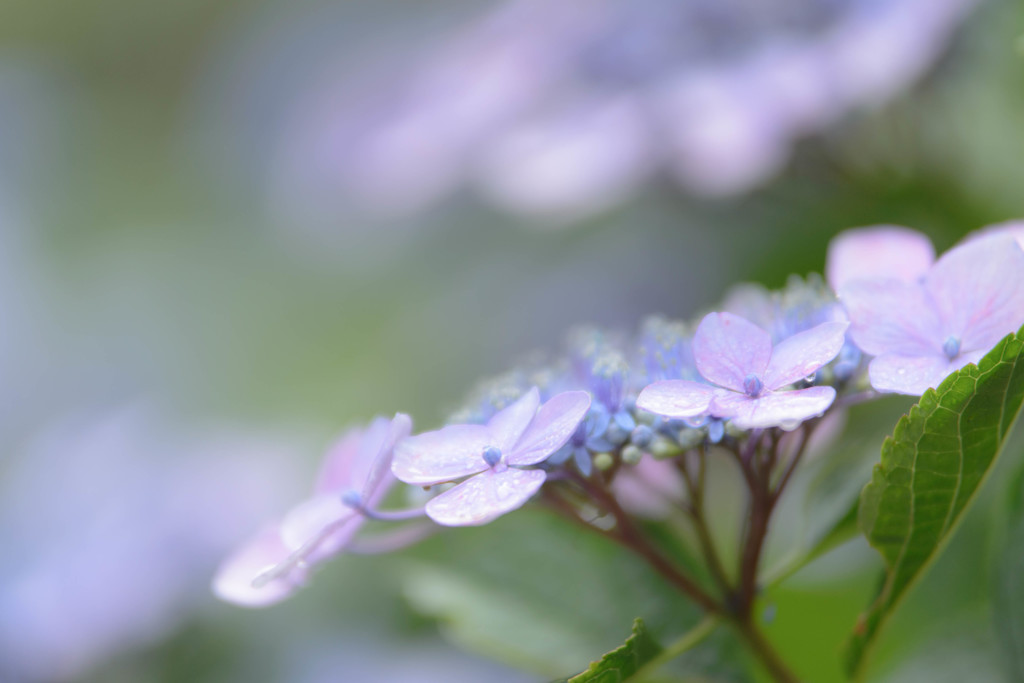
(800, 355)
(443, 455)
(323, 521)
(775, 409)
(485, 497)
(893, 373)
(1013, 228)
(555, 422)
(978, 288)
(889, 316)
(336, 470)
(375, 472)
(234, 579)
(675, 398)
(509, 424)
(878, 252)
(728, 348)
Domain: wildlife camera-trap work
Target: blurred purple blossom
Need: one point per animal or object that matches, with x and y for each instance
(561, 110)
(922, 330)
(276, 562)
(493, 457)
(738, 357)
(111, 528)
(799, 306)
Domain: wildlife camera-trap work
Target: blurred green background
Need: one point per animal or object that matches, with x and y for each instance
(142, 263)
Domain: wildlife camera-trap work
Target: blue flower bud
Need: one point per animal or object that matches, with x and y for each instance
(492, 456)
(951, 347)
(352, 499)
(641, 436)
(752, 385)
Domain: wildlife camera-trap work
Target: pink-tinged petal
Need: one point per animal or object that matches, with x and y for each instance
(509, 424)
(485, 497)
(444, 455)
(375, 471)
(676, 398)
(978, 288)
(554, 424)
(1014, 229)
(798, 356)
(775, 409)
(727, 348)
(234, 580)
(911, 375)
(336, 470)
(652, 488)
(878, 252)
(323, 525)
(889, 316)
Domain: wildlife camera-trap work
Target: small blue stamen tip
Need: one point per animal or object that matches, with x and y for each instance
(492, 456)
(352, 499)
(951, 347)
(752, 385)
(642, 436)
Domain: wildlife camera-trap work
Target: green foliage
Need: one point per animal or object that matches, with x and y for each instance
(621, 663)
(931, 469)
(539, 593)
(1008, 603)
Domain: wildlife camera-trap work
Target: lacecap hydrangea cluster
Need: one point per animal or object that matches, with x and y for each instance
(607, 424)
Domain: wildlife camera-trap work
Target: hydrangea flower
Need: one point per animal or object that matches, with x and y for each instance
(355, 477)
(496, 457)
(922, 330)
(750, 374)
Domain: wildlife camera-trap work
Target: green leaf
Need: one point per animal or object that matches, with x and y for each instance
(538, 593)
(621, 663)
(931, 469)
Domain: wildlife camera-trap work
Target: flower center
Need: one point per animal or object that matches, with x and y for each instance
(752, 385)
(951, 347)
(492, 456)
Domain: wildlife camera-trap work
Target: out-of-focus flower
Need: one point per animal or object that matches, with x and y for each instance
(111, 528)
(354, 478)
(664, 351)
(651, 488)
(600, 368)
(921, 331)
(738, 357)
(493, 457)
(561, 110)
(801, 305)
